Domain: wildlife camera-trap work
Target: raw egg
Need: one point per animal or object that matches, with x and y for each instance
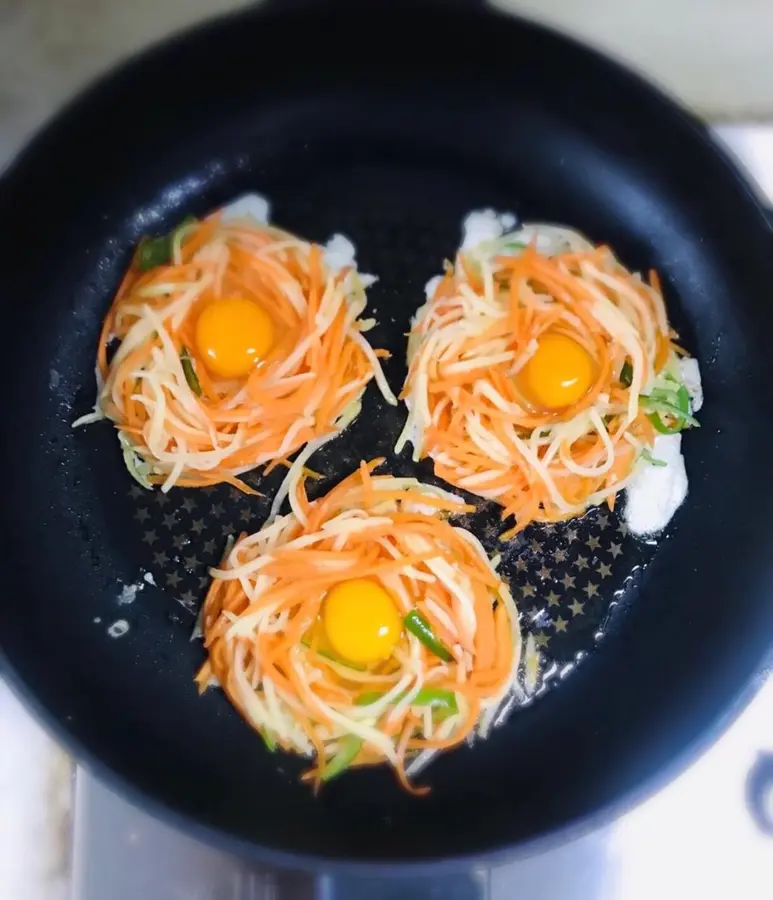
(361, 621)
(559, 373)
(232, 335)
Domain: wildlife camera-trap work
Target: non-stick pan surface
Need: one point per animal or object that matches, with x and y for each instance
(387, 122)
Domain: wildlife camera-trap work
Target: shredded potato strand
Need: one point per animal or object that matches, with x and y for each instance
(480, 326)
(304, 391)
(260, 625)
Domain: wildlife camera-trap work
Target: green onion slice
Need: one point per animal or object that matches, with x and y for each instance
(420, 627)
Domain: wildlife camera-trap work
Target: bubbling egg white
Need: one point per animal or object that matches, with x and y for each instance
(657, 492)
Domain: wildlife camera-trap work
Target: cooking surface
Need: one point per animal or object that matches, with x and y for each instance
(695, 838)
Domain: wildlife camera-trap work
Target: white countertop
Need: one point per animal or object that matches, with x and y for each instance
(35, 808)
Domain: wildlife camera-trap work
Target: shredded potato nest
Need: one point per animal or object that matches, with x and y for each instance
(261, 627)
(479, 328)
(180, 425)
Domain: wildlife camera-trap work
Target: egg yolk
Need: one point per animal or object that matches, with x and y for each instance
(232, 335)
(361, 621)
(559, 373)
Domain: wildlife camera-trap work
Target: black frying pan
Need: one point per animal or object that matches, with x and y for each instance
(387, 121)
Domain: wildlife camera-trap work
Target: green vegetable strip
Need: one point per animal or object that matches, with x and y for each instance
(368, 697)
(661, 426)
(420, 627)
(189, 370)
(268, 740)
(674, 403)
(152, 252)
(437, 698)
(156, 251)
(681, 420)
(350, 746)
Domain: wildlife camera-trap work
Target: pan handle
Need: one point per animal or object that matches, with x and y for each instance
(759, 792)
(472, 886)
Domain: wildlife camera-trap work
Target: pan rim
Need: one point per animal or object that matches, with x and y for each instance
(310, 861)
(320, 863)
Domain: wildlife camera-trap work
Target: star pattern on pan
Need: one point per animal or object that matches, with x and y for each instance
(562, 617)
(566, 576)
(563, 576)
(182, 534)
